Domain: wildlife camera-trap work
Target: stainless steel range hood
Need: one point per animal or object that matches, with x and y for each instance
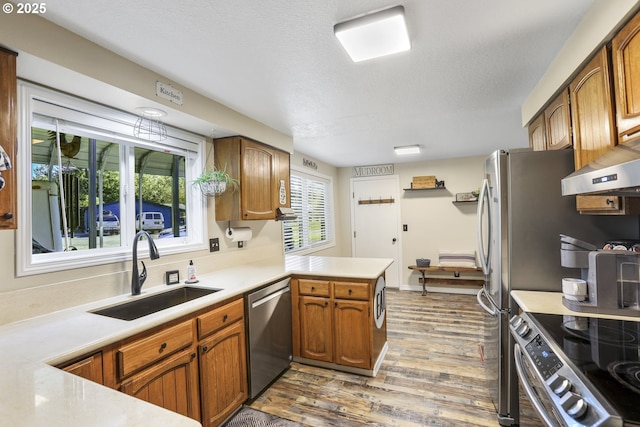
(615, 173)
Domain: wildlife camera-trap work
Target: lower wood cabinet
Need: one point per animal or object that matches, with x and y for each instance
(89, 367)
(223, 373)
(195, 366)
(171, 384)
(352, 333)
(333, 324)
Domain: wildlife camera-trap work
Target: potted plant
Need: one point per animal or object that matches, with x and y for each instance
(214, 182)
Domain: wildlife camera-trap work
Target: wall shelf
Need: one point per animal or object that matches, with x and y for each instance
(424, 189)
(463, 202)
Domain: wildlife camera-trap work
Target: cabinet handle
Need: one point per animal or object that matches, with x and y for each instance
(313, 288)
(224, 318)
(8, 215)
(193, 356)
(610, 202)
(163, 346)
(350, 291)
(205, 349)
(326, 303)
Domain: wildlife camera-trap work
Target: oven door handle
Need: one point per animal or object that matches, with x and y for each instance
(528, 388)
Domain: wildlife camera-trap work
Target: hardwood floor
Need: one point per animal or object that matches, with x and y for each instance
(433, 374)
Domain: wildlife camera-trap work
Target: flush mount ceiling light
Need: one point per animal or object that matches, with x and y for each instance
(149, 126)
(374, 35)
(407, 149)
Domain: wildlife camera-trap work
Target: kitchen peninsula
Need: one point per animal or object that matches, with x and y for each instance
(34, 393)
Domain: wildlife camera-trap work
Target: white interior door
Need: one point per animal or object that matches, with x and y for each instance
(375, 222)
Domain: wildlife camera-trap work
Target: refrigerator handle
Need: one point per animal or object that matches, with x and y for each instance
(483, 199)
(491, 310)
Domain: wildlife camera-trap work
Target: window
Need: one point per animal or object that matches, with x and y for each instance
(312, 201)
(86, 180)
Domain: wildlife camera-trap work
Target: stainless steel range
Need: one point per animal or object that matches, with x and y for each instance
(579, 371)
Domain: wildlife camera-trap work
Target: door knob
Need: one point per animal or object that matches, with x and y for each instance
(394, 240)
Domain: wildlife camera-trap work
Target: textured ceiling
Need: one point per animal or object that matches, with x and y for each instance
(456, 93)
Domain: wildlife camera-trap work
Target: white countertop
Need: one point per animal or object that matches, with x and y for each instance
(33, 393)
(551, 303)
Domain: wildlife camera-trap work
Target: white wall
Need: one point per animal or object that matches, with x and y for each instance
(54, 57)
(433, 221)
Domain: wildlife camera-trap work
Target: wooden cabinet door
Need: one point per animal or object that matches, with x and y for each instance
(223, 374)
(316, 329)
(591, 111)
(281, 180)
(557, 119)
(537, 134)
(256, 181)
(626, 70)
(89, 368)
(171, 384)
(8, 88)
(352, 329)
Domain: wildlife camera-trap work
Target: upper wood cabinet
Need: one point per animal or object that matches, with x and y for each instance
(8, 90)
(594, 131)
(625, 51)
(538, 134)
(592, 110)
(551, 129)
(263, 174)
(557, 118)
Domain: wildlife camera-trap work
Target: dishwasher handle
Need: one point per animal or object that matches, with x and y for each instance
(528, 389)
(271, 296)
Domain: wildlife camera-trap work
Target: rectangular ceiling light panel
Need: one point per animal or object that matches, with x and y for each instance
(407, 149)
(374, 35)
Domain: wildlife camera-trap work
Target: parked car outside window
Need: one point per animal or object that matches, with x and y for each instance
(110, 222)
(151, 221)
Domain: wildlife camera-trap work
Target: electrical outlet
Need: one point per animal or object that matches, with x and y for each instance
(214, 245)
(405, 227)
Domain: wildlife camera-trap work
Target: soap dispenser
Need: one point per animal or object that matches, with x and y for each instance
(191, 273)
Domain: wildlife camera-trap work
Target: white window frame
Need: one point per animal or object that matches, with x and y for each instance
(308, 248)
(36, 99)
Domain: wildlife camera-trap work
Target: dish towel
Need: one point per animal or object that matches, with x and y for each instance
(5, 164)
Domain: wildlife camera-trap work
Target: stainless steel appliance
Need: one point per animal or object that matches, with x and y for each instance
(617, 172)
(521, 214)
(579, 371)
(613, 280)
(270, 348)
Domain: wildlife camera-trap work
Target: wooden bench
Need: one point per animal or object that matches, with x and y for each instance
(456, 279)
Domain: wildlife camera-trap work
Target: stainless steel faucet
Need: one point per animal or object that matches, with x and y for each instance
(137, 280)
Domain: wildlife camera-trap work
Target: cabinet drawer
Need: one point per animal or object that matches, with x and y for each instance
(153, 348)
(313, 287)
(349, 290)
(210, 322)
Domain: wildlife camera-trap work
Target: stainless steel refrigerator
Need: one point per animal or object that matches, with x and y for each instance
(521, 213)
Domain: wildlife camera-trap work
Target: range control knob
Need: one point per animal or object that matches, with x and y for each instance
(523, 330)
(516, 321)
(574, 405)
(559, 384)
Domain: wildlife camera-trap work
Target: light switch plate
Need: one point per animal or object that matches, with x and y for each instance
(214, 244)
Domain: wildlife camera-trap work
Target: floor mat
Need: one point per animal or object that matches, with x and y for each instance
(248, 417)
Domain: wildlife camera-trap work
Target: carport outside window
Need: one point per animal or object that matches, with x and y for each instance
(93, 185)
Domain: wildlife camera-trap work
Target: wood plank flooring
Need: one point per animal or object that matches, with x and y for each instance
(433, 374)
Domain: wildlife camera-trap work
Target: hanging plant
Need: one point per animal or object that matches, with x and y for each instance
(214, 182)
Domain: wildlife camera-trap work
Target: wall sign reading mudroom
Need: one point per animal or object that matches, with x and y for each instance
(375, 170)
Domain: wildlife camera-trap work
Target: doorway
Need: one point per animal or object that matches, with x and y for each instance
(375, 222)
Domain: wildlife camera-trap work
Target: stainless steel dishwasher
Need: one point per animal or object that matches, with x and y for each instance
(270, 343)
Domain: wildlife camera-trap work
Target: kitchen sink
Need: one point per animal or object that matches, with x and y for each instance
(144, 306)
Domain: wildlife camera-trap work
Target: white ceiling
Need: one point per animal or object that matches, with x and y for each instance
(456, 93)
